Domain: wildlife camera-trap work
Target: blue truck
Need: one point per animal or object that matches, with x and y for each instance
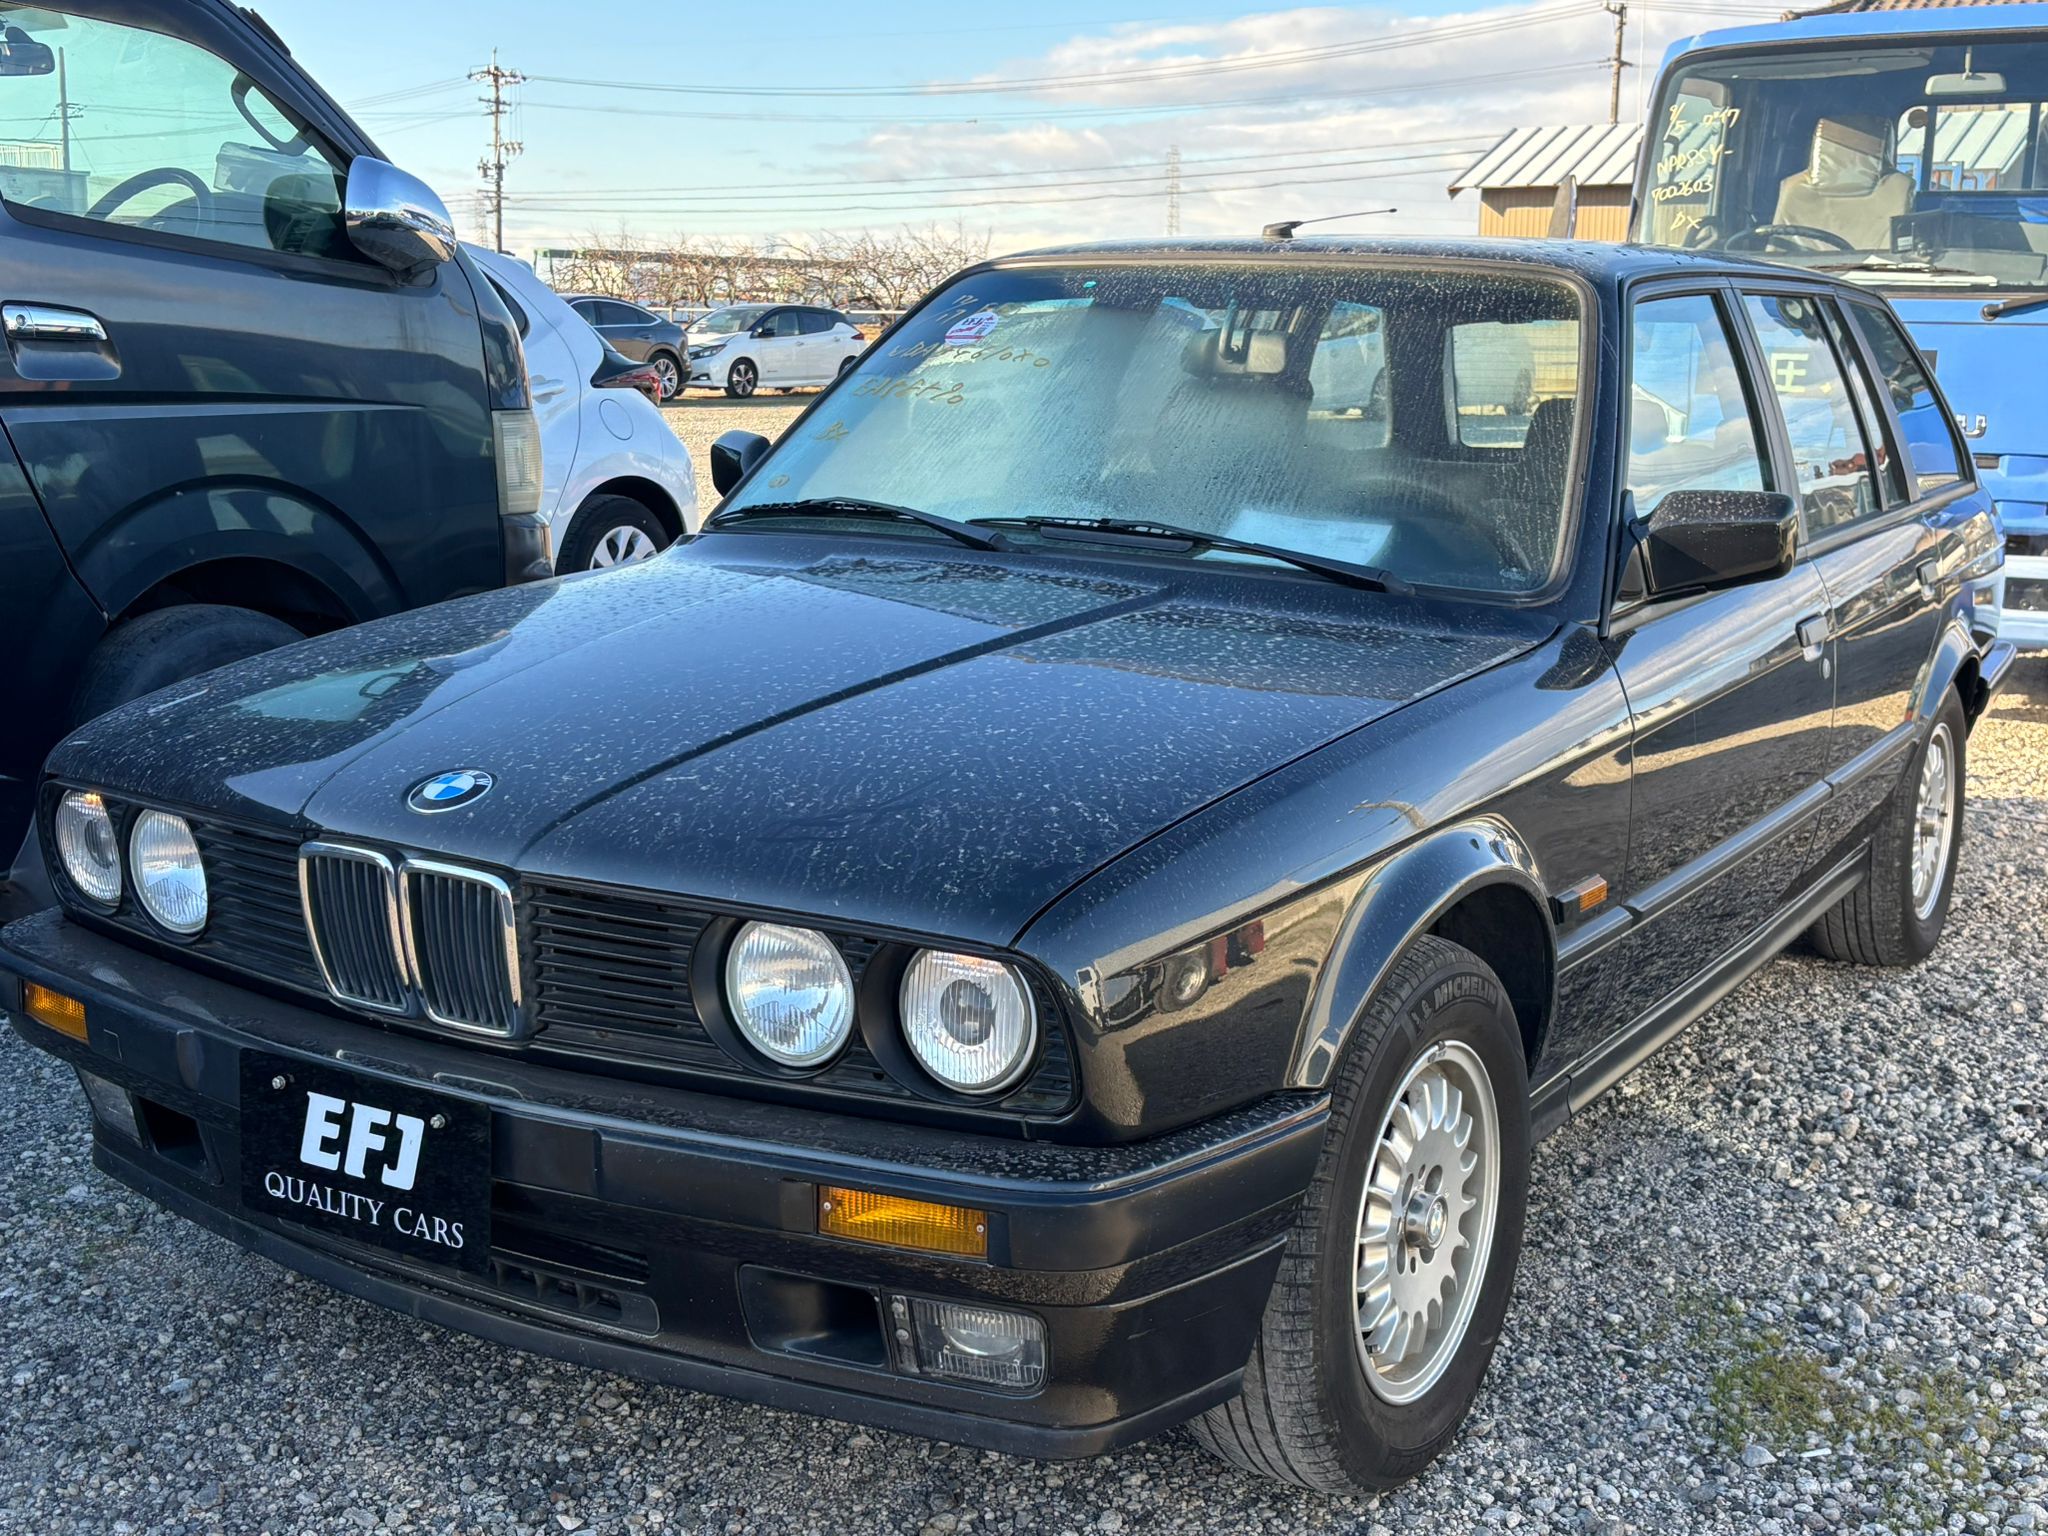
(1905, 150)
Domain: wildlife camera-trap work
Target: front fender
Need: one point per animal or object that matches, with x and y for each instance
(1955, 657)
(1401, 899)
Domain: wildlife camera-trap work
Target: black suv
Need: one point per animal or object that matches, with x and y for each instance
(251, 389)
(1038, 972)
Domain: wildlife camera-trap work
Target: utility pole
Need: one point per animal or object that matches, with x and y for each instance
(502, 148)
(1618, 9)
(1172, 190)
(63, 116)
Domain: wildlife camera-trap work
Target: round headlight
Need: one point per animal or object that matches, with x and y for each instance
(969, 1020)
(87, 844)
(170, 881)
(790, 993)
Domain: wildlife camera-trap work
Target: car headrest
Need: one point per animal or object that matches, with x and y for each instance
(1848, 157)
(1254, 354)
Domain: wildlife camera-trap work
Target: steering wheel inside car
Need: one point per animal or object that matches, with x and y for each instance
(1765, 237)
(144, 181)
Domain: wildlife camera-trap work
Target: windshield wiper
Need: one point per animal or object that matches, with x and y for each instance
(1370, 577)
(858, 506)
(2014, 305)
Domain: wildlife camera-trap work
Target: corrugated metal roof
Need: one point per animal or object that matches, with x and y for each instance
(1598, 155)
(1850, 7)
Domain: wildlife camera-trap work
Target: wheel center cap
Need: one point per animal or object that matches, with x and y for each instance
(1426, 1221)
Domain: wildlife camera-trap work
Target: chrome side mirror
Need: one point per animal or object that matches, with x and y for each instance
(395, 219)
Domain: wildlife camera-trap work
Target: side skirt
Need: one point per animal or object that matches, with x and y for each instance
(1570, 1091)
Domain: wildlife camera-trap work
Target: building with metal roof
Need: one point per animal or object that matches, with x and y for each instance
(1518, 179)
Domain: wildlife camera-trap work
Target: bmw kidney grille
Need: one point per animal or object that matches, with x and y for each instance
(414, 937)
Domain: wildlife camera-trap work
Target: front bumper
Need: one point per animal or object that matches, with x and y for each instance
(679, 1212)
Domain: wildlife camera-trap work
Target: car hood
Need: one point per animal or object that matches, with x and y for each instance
(873, 732)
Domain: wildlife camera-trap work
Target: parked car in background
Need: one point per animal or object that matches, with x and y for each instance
(636, 333)
(617, 484)
(771, 346)
(251, 388)
(1121, 865)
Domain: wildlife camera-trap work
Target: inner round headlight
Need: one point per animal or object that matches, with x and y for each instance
(169, 879)
(969, 1020)
(790, 993)
(88, 845)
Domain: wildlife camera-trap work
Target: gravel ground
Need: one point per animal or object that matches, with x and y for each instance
(699, 419)
(1790, 1278)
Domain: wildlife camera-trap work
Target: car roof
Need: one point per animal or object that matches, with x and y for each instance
(1931, 21)
(1598, 262)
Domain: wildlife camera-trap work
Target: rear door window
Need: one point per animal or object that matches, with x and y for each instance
(152, 134)
(1830, 461)
(814, 322)
(1500, 371)
(1930, 443)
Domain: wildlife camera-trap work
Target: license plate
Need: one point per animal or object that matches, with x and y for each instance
(380, 1163)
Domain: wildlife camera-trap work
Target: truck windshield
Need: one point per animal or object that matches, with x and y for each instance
(1906, 164)
(1419, 422)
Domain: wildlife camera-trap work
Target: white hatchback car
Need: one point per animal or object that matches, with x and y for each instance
(770, 346)
(616, 483)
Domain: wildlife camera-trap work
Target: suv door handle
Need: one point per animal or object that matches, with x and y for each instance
(1928, 574)
(47, 322)
(1814, 632)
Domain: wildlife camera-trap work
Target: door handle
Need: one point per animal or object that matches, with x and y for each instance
(1814, 633)
(1928, 574)
(48, 322)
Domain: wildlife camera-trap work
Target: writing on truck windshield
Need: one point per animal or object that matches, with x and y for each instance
(1908, 164)
(1418, 422)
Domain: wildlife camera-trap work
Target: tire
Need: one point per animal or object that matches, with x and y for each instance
(742, 378)
(611, 530)
(670, 369)
(1885, 920)
(167, 646)
(1307, 1412)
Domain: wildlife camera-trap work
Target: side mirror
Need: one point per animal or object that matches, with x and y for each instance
(395, 219)
(733, 455)
(761, 332)
(1701, 541)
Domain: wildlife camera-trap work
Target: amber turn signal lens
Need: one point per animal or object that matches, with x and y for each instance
(64, 1014)
(1592, 893)
(895, 1222)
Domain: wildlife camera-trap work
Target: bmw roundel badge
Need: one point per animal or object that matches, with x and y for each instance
(450, 791)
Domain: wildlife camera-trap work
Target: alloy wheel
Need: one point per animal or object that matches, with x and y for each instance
(670, 375)
(624, 545)
(1426, 1221)
(1934, 821)
(743, 378)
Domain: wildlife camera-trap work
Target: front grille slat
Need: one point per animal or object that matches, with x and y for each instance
(464, 945)
(349, 898)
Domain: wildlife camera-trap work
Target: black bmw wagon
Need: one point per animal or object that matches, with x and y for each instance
(1170, 778)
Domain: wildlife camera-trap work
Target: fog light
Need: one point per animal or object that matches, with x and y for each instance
(980, 1346)
(895, 1222)
(111, 1103)
(64, 1014)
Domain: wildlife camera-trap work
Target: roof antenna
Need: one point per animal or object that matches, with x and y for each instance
(1285, 229)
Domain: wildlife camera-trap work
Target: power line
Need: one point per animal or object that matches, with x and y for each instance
(1151, 176)
(1157, 74)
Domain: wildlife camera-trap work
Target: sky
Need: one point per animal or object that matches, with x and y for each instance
(659, 119)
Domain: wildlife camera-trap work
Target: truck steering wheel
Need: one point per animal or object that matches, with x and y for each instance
(143, 181)
(1764, 235)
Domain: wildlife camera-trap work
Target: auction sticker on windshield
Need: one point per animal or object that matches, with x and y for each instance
(976, 327)
(372, 1161)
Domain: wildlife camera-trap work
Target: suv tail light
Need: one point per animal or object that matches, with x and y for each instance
(516, 439)
(859, 334)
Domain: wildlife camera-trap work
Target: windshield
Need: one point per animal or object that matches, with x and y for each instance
(723, 322)
(1418, 422)
(1907, 165)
